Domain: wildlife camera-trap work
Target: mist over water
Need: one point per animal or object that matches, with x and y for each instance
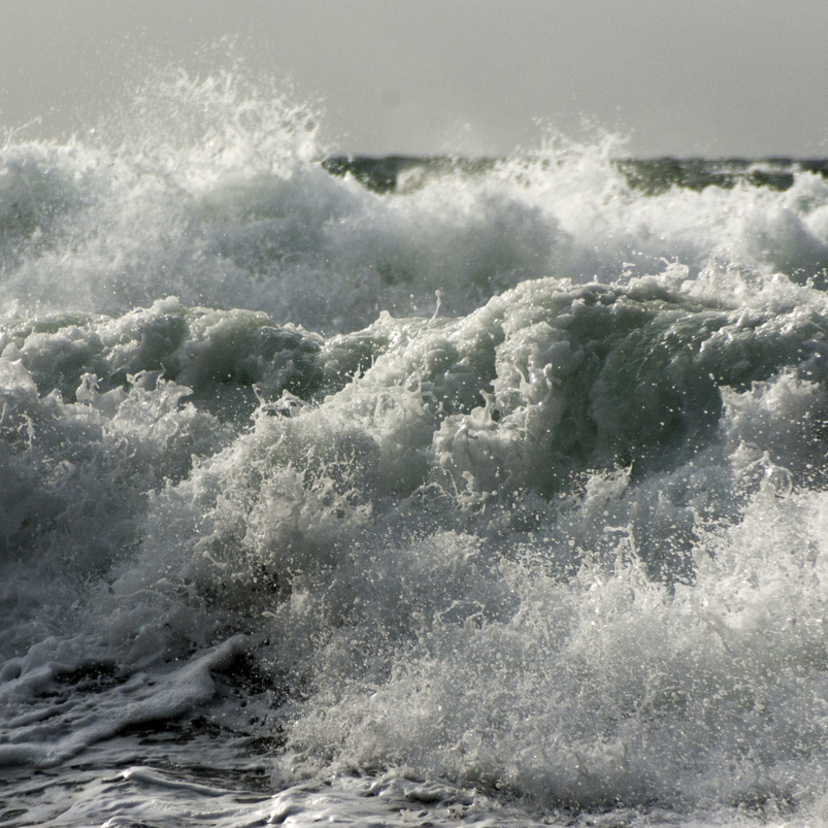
(492, 494)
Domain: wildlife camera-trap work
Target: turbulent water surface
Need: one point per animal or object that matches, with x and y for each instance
(393, 491)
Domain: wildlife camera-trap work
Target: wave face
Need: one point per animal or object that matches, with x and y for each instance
(486, 488)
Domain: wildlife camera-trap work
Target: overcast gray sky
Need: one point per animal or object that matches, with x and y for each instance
(680, 77)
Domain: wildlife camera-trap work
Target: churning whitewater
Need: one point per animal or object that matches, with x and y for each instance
(381, 490)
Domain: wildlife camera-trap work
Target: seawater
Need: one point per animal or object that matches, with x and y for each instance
(392, 491)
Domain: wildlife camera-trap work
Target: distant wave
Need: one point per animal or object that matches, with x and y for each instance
(653, 176)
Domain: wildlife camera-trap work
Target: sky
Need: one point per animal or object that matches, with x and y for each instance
(477, 77)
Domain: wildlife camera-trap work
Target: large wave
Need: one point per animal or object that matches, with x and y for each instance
(511, 476)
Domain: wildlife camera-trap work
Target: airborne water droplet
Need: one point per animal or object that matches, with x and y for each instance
(778, 479)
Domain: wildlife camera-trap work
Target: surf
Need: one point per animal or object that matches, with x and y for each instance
(478, 486)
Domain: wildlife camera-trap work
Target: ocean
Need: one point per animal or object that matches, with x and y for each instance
(407, 491)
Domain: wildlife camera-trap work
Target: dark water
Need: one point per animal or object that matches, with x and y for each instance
(652, 176)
